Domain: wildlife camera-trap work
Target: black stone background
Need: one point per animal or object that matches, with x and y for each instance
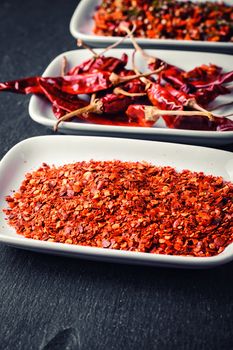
(56, 303)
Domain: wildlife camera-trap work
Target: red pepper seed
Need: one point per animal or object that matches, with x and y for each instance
(125, 205)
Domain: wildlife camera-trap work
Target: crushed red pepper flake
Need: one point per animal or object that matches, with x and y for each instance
(166, 19)
(131, 206)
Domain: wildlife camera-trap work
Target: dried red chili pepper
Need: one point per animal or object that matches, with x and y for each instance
(46, 87)
(61, 102)
(116, 102)
(100, 63)
(151, 114)
(62, 91)
(196, 101)
(109, 104)
(204, 76)
(166, 98)
(76, 84)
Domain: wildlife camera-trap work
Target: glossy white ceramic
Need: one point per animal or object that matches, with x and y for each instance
(40, 110)
(29, 154)
(82, 23)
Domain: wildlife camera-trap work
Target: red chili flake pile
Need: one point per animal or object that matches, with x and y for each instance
(166, 19)
(125, 205)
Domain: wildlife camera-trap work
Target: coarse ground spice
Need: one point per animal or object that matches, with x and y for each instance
(125, 205)
(166, 19)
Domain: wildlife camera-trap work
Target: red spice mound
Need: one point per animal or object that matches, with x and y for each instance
(125, 205)
(166, 19)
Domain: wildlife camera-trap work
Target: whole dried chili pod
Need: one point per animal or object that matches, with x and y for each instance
(174, 73)
(100, 63)
(199, 99)
(152, 114)
(168, 98)
(191, 100)
(163, 99)
(73, 85)
(77, 84)
(194, 120)
(107, 118)
(200, 77)
(62, 102)
(46, 87)
(96, 63)
(213, 84)
(205, 122)
(158, 95)
(111, 103)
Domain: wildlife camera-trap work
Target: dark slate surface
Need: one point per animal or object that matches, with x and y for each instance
(55, 303)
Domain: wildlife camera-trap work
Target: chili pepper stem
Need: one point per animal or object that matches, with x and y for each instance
(144, 80)
(93, 97)
(119, 91)
(117, 43)
(94, 107)
(64, 66)
(116, 79)
(81, 43)
(193, 104)
(151, 113)
(148, 58)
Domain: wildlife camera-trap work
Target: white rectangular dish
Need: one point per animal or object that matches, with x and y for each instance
(29, 154)
(82, 23)
(40, 110)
